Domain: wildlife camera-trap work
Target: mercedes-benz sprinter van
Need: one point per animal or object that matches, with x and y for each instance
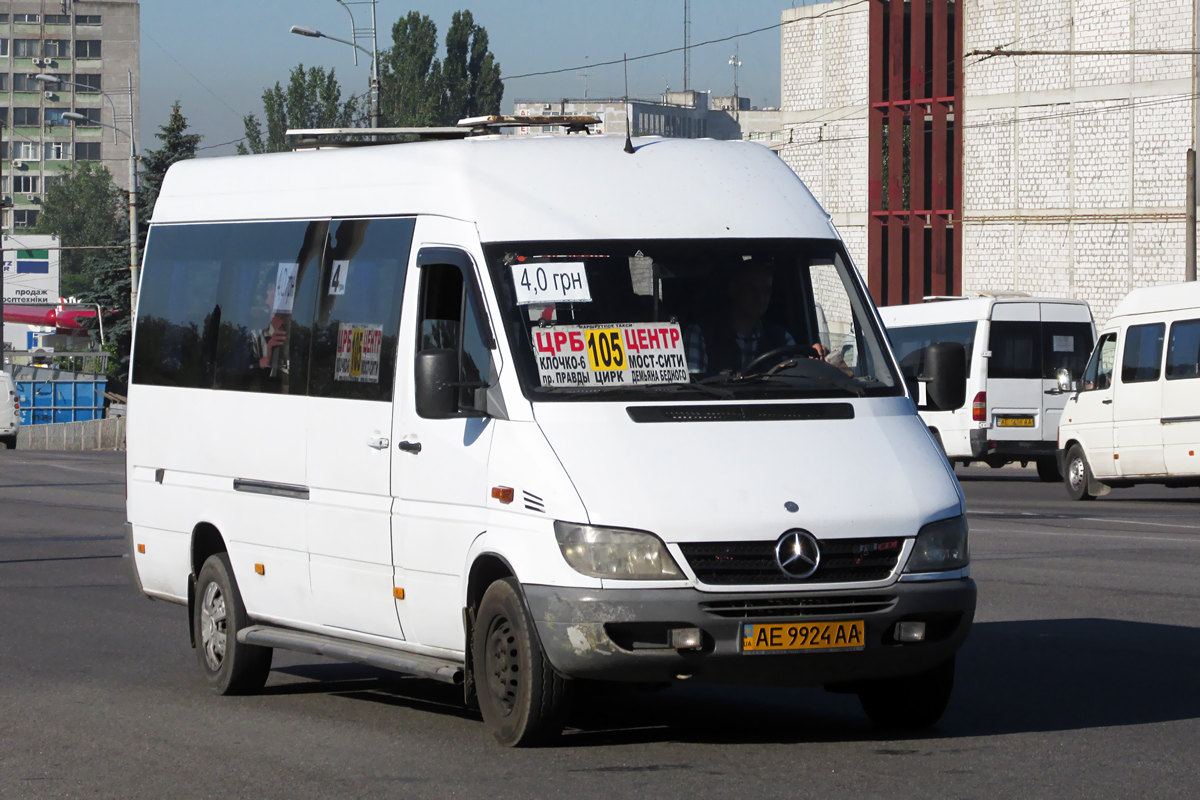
(1016, 346)
(1135, 417)
(515, 411)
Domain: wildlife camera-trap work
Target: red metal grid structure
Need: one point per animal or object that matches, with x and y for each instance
(914, 239)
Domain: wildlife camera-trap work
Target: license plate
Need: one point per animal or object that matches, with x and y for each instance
(784, 637)
(1014, 422)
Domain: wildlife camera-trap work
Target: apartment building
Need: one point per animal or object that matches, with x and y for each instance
(92, 49)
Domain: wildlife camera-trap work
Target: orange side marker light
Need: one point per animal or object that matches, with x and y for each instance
(502, 493)
(141, 548)
(260, 569)
(398, 593)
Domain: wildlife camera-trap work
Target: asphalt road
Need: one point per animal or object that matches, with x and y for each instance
(1079, 680)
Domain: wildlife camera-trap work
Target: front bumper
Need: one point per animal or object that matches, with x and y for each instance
(579, 629)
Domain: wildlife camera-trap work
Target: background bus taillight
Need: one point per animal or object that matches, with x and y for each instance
(979, 407)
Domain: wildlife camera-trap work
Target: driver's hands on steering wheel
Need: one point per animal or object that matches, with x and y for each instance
(821, 350)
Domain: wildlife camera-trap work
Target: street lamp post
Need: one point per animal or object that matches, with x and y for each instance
(313, 33)
(133, 215)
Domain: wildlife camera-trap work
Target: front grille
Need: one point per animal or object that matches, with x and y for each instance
(798, 606)
(745, 563)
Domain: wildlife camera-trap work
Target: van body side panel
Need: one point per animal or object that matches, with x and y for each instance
(1181, 396)
(349, 518)
(201, 437)
(1137, 401)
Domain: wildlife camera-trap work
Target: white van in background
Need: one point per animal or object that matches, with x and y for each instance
(1015, 347)
(1136, 415)
(10, 411)
(474, 428)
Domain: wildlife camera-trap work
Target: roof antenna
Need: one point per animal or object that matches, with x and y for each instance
(628, 123)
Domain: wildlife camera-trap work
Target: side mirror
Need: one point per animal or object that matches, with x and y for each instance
(946, 376)
(1063, 376)
(436, 375)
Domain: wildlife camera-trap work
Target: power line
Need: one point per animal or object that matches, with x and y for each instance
(841, 10)
(193, 77)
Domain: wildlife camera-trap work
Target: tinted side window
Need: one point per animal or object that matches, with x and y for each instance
(218, 306)
(1183, 350)
(1143, 353)
(1016, 350)
(358, 317)
(910, 343)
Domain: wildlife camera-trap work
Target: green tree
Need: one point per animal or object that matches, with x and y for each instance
(178, 145)
(90, 215)
(313, 99)
(471, 85)
(84, 208)
(419, 89)
(410, 74)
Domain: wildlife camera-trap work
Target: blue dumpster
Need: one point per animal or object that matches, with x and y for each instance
(71, 397)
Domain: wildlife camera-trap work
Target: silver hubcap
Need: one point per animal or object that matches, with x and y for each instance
(1075, 473)
(213, 626)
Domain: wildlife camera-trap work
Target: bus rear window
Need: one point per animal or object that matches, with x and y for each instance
(911, 343)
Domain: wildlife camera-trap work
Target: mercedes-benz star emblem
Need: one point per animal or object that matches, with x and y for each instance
(797, 554)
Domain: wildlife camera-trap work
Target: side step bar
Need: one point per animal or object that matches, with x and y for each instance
(384, 657)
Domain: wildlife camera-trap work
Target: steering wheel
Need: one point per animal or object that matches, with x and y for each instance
(777, 356)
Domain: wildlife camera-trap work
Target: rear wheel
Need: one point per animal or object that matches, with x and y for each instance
(9, 442)
(230, 666)
(911, 702)
(523, 700)
(1079, 474)
(1048, 470)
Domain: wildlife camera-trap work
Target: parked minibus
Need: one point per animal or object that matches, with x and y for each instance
(510, 412)
(10, 411)
(1134, 417)
(1016, 346)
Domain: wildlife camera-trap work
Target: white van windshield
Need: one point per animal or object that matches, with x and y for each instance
(726, 318)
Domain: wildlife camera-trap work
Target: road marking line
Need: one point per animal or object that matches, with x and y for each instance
(1034, 516)
(1093, 535)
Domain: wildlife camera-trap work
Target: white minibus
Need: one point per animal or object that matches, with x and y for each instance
(10, 411)
(509, 412)
(1016, 346)
(1135, 417)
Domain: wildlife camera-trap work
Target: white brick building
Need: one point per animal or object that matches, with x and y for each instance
(1072, 167)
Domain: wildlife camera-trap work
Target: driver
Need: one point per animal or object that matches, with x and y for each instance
(732, 341)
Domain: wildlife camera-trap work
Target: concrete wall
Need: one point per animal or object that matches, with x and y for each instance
(824, 111)
(1074, 166)
(100, 434)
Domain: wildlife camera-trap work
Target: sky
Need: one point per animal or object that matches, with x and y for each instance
(216, 57)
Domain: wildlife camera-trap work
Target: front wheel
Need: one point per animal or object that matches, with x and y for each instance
(522, 699)
(230, 666)
(1079, 475)
(911, 702)
(1047, 469)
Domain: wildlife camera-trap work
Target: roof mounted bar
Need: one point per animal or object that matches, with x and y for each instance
(316, 138)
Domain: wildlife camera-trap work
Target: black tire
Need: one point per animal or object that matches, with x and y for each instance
(1047, 469)
(1078, 474)
(230, 666)
(911, 702)
(523, 700)
(9, 442)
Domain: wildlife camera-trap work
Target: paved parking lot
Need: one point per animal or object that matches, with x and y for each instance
(1079, 680)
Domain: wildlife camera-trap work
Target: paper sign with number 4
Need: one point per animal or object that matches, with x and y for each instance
(337, 280)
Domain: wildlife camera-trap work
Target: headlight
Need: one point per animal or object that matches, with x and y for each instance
(941, 546)
(616, 554)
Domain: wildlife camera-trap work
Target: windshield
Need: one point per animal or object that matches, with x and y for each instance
(727, 318)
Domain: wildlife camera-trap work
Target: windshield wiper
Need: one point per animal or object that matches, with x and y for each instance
(584, 392)
(786, 379)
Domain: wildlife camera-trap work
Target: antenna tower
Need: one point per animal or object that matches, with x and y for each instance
(687, 45)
